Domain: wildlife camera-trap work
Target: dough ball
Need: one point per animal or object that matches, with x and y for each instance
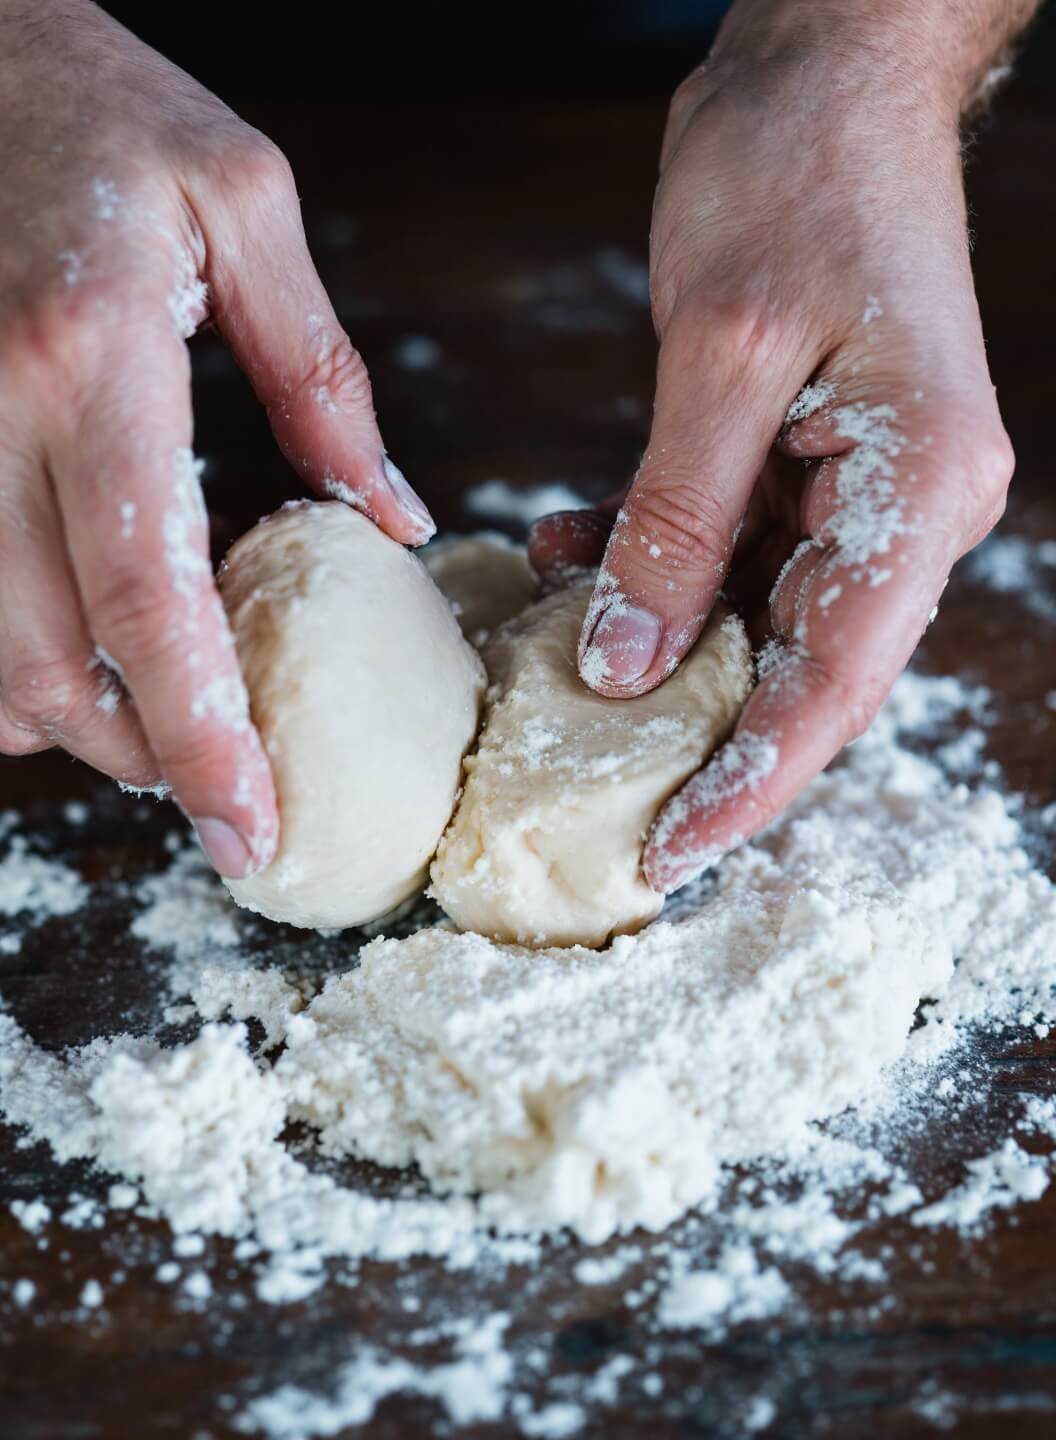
(486, 577)
(545, 846)
(366, 696)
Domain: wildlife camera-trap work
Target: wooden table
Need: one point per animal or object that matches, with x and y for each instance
(481, 228)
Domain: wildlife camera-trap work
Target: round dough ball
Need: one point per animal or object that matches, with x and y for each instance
(545, 846)
(366, 697)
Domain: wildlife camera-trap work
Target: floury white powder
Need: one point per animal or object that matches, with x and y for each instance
(765, 1022)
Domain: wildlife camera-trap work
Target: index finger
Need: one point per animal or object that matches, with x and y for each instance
(137, 531)
(723, 380)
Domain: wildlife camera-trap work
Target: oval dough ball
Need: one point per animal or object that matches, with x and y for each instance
(545, 846)
(366, 697)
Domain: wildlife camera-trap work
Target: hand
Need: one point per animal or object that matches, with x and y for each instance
(134, 206)
(809, 229)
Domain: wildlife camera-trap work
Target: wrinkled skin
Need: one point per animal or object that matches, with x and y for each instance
(124, 183)
(809, 227)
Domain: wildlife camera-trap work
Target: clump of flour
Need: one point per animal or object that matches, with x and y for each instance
(34, 885)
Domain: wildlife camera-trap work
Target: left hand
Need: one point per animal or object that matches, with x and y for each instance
(809, 228)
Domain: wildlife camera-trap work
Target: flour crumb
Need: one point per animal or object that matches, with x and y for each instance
(809, 401)
(91, 1296)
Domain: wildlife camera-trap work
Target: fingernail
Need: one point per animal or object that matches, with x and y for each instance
(411, 503)
(666, 873)
(225, 848)
(623, 645)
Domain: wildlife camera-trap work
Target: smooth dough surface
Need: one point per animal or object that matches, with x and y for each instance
(366, 696)
(545, 846)
(486, 578)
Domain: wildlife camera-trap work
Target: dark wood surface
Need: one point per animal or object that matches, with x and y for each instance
(480, 228)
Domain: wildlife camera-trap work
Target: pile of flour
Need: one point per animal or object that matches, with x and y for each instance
(794, 1016)
(571, 1088)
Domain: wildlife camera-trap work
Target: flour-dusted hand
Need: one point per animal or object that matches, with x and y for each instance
(826, 442)
(134, 206)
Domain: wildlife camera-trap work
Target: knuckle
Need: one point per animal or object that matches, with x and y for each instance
(264, 170)
(44, 693)
(995, 462)
(131, 616)
(194, 757)
(742, 335)
(16, 742)
(59, 333)
(747, 331)
(336, 374)
(688, 97)
(987, 465)
(679, 526)
(858, 698)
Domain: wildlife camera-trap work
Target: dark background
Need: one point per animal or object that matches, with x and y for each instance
(567, 48)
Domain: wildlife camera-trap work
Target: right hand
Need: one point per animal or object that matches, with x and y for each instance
(134, 206)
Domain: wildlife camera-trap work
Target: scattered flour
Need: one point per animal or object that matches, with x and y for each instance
(184, 526)
(735, 1290)
(588, 1090)
(600, 294)
(809, 401)
(1016, 565)
(189, 300)
(996, 1181)
(37, 887)
(869, 514)
(472, 1388)
(499, 500)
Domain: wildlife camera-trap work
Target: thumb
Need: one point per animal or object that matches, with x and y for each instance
(722, 392)
(269, 304)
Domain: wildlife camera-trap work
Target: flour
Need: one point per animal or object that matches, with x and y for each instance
(37, 887)
(499, 500)
(184, 526)
(189, 300)
(1016, 565)
(471, 1387)
(735, 1290)
(869, 515)
(809, 401)
(582, 1090)
(996, 1181)
(604, 293)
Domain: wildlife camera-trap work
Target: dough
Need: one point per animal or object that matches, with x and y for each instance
(366, 696)
(486, 577)
(545, 846)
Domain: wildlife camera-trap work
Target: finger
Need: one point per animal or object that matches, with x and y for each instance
(55, 689)
(564, 545)
(15, 740)
(269, 303)
(891, 518)
(810, 431)
(137, 531)
(723, 389)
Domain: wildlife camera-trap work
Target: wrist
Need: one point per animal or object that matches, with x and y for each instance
(935, 53)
